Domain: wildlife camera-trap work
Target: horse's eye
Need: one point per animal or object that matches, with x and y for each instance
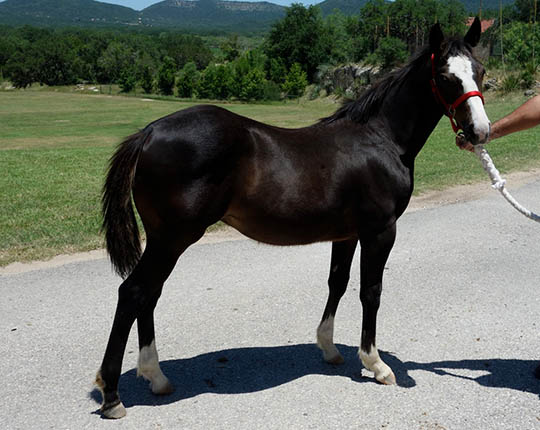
(444, 77)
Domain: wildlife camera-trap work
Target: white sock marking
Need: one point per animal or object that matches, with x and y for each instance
(149, 368)
(372, 361)
(325, 340)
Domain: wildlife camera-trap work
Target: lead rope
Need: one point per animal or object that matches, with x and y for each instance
(499, 183)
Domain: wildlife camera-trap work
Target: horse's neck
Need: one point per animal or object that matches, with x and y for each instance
(412, 113)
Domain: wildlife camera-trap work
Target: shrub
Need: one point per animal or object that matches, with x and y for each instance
(510, 83)
(528, 76)
(272, 91)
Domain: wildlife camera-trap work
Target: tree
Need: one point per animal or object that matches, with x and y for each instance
(372, 25)
(230, 48)
(187, 80)
(253, 85)
(147, 80)
(166, 76)
(117, 57)
(452, 16)
(298, 38)
(336, 37)
(184, 48)
(64, 56)
(390, 53)
(276, 70)
(127, 80)
(21, 68)
(524, 10)
(249, 71)
(295, 81)
(359, 43)
(520, 43)
(8, 46)
(215, 82)
(55, 61)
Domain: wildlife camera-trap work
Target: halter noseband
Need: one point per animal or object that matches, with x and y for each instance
(450, 109)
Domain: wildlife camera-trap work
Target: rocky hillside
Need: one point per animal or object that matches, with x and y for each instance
(196, 14)
(211, 13)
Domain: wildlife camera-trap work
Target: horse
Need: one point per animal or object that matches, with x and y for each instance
(345, 179)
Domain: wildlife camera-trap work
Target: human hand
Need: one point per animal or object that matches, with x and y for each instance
(463, 143)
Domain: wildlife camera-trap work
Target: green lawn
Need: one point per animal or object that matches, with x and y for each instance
(440, 165)
(54, 148)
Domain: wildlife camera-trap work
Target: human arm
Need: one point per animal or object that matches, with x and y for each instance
(525, 116)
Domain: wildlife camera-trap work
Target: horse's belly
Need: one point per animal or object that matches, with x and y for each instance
(291, 230)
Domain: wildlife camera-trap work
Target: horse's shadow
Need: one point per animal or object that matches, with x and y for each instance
(247, 370)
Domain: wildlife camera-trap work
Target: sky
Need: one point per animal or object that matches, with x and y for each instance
(141, 4)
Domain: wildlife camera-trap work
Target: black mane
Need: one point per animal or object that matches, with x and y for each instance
(369, 102)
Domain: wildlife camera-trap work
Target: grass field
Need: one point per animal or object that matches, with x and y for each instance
(54, 148)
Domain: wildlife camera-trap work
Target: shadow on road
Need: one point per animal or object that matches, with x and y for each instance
(247, 370)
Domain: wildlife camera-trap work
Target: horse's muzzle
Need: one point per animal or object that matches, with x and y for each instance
(477, 135)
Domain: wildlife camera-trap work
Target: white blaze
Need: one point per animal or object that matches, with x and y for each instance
(461, 67)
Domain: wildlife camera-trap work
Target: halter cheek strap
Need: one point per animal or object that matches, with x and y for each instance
(450, 109)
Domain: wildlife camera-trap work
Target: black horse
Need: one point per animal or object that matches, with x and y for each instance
(345, 179)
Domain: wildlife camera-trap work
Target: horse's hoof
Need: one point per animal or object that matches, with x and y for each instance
(162, 389)
(386, 378)
(114, 412)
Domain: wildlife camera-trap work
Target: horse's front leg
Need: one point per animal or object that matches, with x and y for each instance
(374, 254)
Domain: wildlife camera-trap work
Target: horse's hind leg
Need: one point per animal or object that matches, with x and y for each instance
(148, 365)
(137, 297)
(375, 251)
(340, 267)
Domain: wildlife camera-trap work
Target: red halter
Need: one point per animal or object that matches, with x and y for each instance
(450, 109)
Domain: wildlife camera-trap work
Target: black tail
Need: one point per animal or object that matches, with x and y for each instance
(119, 222)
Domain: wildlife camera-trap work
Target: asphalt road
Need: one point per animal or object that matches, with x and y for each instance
(459, 324)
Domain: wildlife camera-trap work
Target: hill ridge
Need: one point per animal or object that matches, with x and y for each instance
(207, 14)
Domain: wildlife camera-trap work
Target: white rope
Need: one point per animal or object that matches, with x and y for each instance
(499, 183)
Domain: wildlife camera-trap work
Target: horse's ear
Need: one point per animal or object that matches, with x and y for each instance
(473, 35)
(436, 38)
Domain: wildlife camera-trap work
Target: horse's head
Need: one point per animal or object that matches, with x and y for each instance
(457, 81)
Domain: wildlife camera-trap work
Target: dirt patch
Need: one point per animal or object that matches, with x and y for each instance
(458, 194)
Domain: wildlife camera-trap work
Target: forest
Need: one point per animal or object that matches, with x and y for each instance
(277, 64)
